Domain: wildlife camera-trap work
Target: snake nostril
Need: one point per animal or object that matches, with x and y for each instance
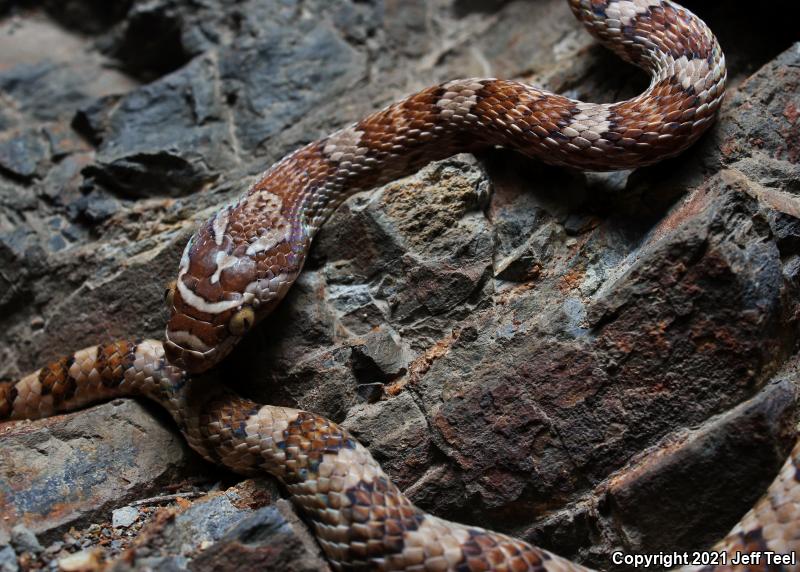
(174, 353)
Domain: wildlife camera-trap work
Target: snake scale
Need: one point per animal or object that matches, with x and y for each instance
(242, 261)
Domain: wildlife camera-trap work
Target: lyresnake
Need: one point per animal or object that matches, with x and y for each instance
(241, 263)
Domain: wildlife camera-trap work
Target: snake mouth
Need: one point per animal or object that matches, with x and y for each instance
(190, 360)
(195, 345)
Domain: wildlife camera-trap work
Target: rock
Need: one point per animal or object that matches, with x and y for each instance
(88, 17)
(94, 208)
(8, 559)
(54, 548)
(317, 57)
(23, 540)
(203, 522)
(389, 427)
(150, 42)
(762, 96)
(124, 517)
(381, 358)
(787, 232)
(705, 472)
(83, 561)
(370, 392)
(63, 142)
(159, 164)
(21, 155)
(228, 531)
(102, 457)
(525, 262)
(273, 538)
(199, 144)
(49, 91)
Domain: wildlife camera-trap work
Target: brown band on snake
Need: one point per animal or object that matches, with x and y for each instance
(243, 260)
(56, 381)
(112, 360)
(8, 393)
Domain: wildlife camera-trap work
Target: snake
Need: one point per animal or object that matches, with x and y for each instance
(241, 262)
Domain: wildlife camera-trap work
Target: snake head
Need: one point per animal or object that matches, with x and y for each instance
(231, 275)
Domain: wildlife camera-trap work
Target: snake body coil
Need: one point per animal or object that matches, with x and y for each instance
(361, 519)
(241, 263)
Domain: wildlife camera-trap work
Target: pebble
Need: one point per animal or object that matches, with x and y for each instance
(53, 548)
(84, 561)
(8, 559)
(124, 517)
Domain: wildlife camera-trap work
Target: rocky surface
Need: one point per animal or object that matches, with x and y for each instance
(59, 473)
(228, 530)
(585, 361)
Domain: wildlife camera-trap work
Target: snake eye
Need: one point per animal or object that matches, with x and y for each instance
(242, 321)
(169, 294)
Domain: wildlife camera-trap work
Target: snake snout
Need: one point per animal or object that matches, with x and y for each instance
(183, 358)
(192, 342)
(183, 351)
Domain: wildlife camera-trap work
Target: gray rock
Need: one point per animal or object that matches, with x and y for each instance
(273, 538)
(79, 561)
(380, 359)
(748, 134)
(8, 559)
(54, 548)
(124, 517)
(23, 540)
(229, 531)
(85, 464)
(93, 208)
(687, 466)
(394, 429)
(525, 262)
(149, 41)
(51, 90)
(370, 392)
(22, 154)
(265, 99)
(136, 157)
